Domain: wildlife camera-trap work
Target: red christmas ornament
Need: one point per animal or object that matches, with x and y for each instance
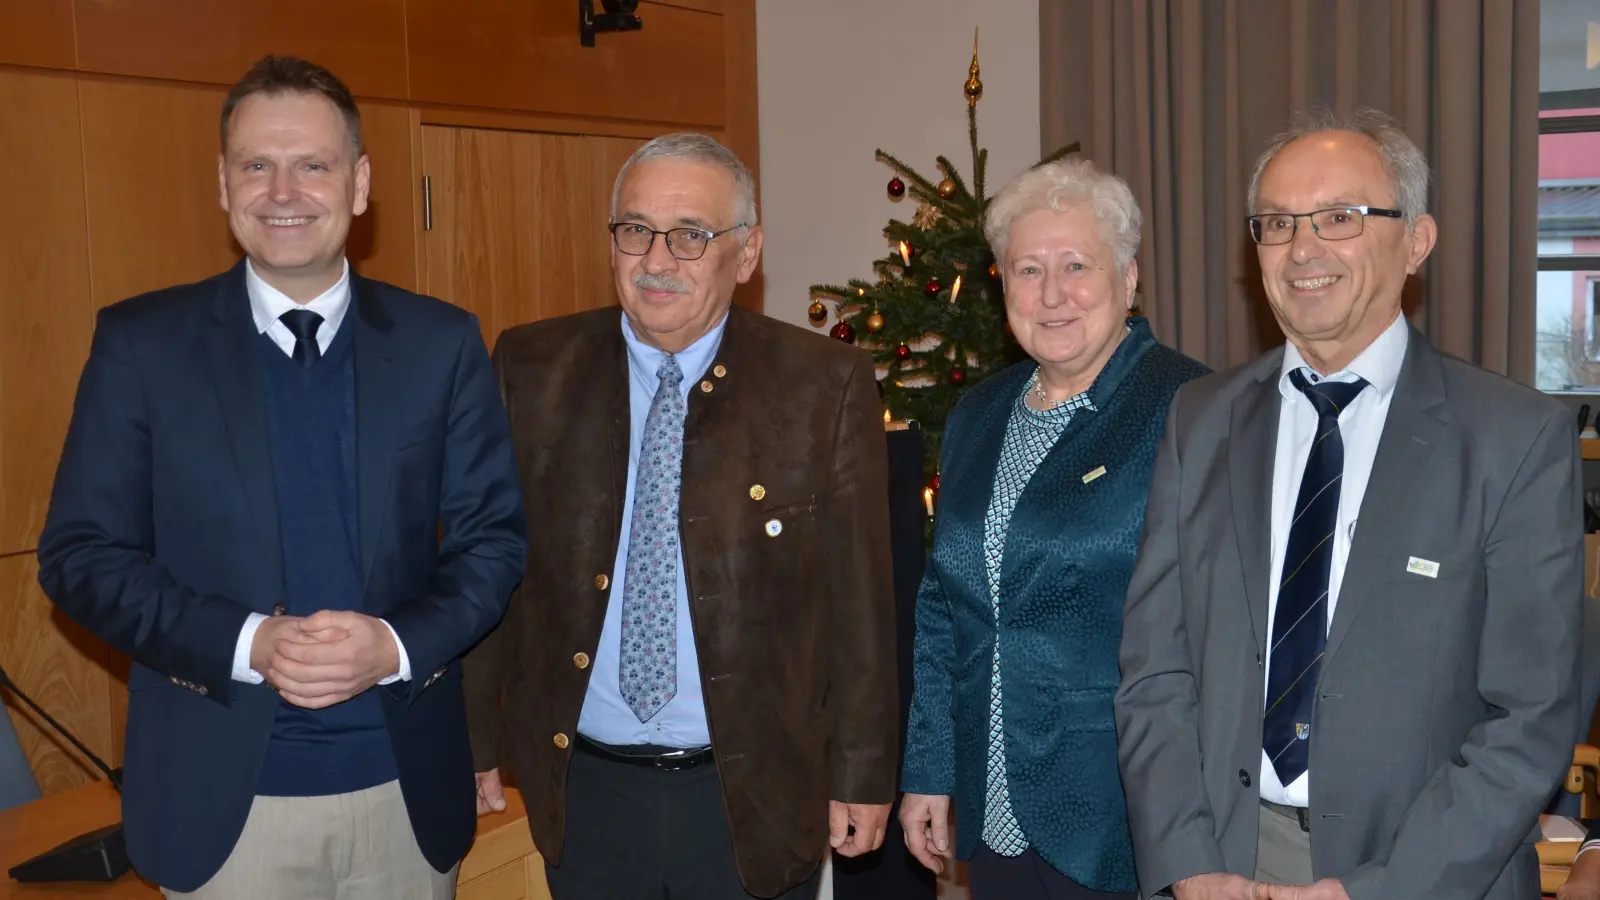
(933, 483)
(897, 188)
(933, 287)
(843, 332)
(958, 375)
(902, 352)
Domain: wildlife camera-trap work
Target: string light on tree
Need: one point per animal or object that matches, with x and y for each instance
(938, 254)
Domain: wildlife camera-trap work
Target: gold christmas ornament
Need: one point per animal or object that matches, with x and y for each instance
(946, 188)
(817, 313)
(974, 86)
(875, 322)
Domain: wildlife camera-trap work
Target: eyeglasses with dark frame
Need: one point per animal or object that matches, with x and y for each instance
(1339, 223)
(687, 244)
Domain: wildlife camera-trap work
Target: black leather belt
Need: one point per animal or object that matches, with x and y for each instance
(1299, 813)
(648, 757)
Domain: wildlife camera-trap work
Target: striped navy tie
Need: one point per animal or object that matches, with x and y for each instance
(1300, 624)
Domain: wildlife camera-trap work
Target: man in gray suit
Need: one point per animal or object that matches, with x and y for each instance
(1349, 654)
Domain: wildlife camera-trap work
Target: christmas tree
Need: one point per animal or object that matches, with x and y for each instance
(934, 318)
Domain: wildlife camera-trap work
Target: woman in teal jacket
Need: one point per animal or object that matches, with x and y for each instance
(1043, 476)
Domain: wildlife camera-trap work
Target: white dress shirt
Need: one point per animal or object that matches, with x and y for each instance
(1360, 427)
(267, 303)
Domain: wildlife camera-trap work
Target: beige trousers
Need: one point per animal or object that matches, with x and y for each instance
(1283, 850)
(356, 846)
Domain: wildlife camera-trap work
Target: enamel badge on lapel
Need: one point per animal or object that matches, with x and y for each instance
(757, 492)
(1090, 476)
(774, 528)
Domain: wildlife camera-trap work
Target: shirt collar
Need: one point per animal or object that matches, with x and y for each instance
(693, 360)
(1379, 364)
(267, 303)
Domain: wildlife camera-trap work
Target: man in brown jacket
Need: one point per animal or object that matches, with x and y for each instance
(694, 687)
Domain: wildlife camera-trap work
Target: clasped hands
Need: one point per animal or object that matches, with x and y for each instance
(1221, 886)
(326, 658)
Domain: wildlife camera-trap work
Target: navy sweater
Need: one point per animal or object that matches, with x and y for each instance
(311, 424)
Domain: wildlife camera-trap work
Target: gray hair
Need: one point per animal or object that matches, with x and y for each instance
(1062, 185)
(693, 147)
(1402, 160)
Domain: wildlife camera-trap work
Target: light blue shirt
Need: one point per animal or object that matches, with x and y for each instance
(606, 717)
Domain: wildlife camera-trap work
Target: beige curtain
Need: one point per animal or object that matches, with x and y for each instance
(1180, 96)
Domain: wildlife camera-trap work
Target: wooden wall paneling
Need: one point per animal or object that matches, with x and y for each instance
(525, 54)
(383, 241)
(37, 33)
(63, 668)
(45, 318)
(150, 173)
(518, 222)
(743, 131)
(361, 41)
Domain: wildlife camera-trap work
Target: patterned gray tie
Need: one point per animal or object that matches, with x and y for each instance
(650, 594)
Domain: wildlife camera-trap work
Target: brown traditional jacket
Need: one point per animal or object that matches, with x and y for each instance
(793, 621)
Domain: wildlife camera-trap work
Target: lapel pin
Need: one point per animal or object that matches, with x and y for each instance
(757, 492)
(1093, 475)
(1424, 567)
(774, 528)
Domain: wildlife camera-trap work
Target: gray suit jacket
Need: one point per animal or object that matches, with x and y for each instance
(1446, 706)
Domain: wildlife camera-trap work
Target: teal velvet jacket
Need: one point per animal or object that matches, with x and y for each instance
(1069, 553)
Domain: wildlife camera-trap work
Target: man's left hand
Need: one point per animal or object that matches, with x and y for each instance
(1326, 889)
(339, 655)
(869, 820)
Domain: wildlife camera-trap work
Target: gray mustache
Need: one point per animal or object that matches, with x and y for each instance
(648, 282)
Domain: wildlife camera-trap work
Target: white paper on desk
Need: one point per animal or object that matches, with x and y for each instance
(1561, 828)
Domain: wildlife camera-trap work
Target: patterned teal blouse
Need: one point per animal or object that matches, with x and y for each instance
(1030, 433)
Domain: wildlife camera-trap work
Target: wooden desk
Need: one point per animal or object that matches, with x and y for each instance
(503, 864)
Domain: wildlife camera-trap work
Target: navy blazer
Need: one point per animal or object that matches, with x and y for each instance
(162, 537)
(1069, 553)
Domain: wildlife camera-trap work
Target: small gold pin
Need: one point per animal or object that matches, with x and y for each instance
(705, 387)
(720, 370)
(1093, 475)
(774, 528)
(757, 492)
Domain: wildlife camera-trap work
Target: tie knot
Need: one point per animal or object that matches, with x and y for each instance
(669, 373)
(1329, 397)
(302, 323)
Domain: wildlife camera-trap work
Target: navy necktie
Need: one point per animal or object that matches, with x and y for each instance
(303, 324)
(1300, 623)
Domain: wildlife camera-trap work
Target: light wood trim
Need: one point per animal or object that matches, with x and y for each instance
(503, 838)
(501, 120)
(1590, 447)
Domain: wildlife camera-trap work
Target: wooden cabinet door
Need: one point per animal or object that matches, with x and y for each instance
(518, 222)
(37, 33)
(45, 315)
(525, 54)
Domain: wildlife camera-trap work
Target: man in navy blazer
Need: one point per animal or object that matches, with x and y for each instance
(288, 493)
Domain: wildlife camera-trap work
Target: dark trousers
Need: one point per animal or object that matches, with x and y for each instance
(1025, 877)
(636, 833)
